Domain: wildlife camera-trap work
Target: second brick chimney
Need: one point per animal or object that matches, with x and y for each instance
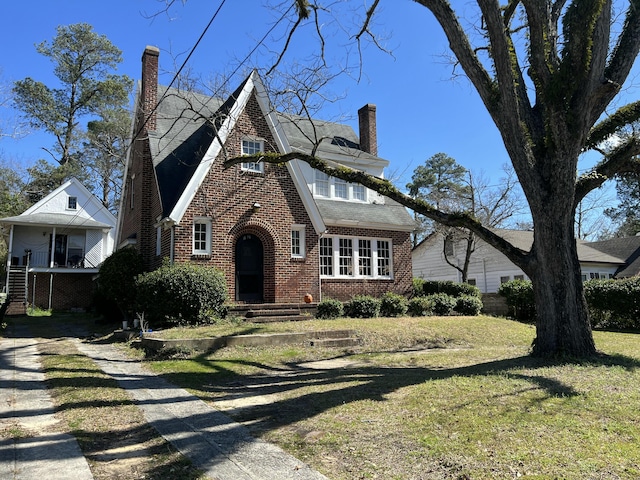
(149, 88)
(368, 129)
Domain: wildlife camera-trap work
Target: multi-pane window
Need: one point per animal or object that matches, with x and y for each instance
(322, 184)
(326, 256)
(251, 147)
(384, 258)
(359, 192)
(72, 203)
(340, 188)
(332, 187)
(201, 237)
(355, 257)
(297, 241)
(364, 257)
(346, 256)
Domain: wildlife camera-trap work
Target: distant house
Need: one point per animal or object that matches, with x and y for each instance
(55, 249)
(489, 268)
(278, 232)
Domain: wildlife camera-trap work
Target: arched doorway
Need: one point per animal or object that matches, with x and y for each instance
(249, 269)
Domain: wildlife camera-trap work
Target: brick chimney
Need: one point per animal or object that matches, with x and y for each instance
(368, 130)
(149, 89)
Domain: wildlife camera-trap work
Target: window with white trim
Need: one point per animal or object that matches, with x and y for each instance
(297, 241)
(340, 188)
(72, 203)
(383, 252)
(322, 184)
(202, 236)
(326, 256)
(252, 147)
(371, 256)
(332, 187)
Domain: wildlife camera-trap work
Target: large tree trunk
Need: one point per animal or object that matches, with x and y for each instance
(563, 326)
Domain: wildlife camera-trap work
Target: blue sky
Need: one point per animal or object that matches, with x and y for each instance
(420, 109)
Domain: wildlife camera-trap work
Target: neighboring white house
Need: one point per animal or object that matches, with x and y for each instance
(55, 249)
(488, 268)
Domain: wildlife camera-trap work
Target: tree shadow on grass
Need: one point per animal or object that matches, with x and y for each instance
(282, 396)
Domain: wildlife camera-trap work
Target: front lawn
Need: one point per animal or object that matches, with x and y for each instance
(434, 397)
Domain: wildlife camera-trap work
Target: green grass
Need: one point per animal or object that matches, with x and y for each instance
(472, 404)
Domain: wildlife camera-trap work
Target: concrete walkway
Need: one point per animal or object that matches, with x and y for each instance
(220, 447)
(25, 406)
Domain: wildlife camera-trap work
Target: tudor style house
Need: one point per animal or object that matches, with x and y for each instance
(278, 232)
(55, 249)
(488, 268)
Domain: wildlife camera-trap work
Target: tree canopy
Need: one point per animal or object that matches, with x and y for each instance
(547, 71)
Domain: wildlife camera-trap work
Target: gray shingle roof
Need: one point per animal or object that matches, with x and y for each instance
(627, 248)
(389, 216)
(54, 219)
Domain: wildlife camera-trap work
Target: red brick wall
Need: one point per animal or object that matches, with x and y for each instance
(68, 290)
(227, 196)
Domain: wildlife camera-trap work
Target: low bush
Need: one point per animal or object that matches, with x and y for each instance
(182, 293)
(519, 297)
(453, 289)
(614, 304)
(417, 287)
(442, 304)
(330, 308)
(393, 305)
(468, 305)
(420, 306)
(363, 306)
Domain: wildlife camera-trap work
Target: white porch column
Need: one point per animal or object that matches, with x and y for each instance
(53, 248)
(10, 250)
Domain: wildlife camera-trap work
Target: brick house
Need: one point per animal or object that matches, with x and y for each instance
(277, 232)
(55, 248)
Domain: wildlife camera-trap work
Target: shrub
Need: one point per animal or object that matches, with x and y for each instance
(454, 289)
(182, 293)
(420, 306)
(418, 286)
(519, 297)
(393, 305)
(330, 308)
(117, 281)
(363, 306)
(468, 305)
(442, 304)
(614, 303)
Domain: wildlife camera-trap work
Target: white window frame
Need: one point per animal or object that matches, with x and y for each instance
(195, 237)
(326, 186)
(322, 184)
(298, 250)
(346, 261)
(251, 146)
(340, 189)
(73, 199)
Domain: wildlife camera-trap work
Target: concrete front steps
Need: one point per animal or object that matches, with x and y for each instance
(274, 312)
(326, 338)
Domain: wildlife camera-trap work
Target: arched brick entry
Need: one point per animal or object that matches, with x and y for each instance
(254, 260)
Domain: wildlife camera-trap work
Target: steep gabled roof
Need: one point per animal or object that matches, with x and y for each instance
(191, 129)
(48, 211)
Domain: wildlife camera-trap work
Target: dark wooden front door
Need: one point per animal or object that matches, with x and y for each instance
(249, 269)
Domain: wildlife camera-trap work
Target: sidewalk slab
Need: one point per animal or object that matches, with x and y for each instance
(25, 405)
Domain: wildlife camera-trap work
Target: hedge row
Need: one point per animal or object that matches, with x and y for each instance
(394, 305)
(612, 304)
(423, 287)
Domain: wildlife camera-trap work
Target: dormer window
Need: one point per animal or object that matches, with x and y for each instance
(72, 203)
(332, 187)
(252, 147)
